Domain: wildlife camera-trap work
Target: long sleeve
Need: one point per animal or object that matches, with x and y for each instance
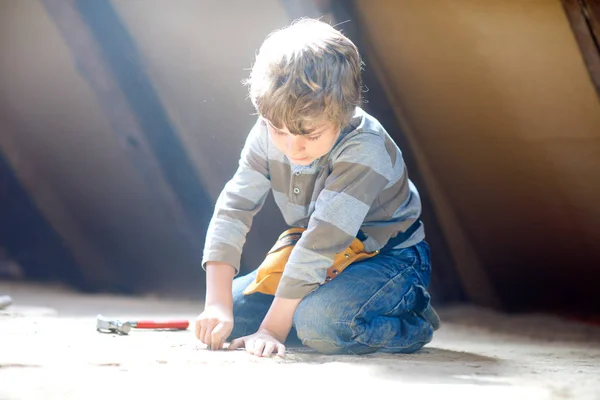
(240, 200)
(361, 170)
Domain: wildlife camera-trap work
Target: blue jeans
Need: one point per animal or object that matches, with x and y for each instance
(378, 304)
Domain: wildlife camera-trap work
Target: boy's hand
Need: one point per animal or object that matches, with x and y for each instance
(214, 326)
(261, 344)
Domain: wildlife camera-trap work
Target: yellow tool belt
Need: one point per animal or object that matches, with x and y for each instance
(270, 271)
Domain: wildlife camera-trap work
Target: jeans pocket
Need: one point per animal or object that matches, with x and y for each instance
(414, 296)
(423, 265)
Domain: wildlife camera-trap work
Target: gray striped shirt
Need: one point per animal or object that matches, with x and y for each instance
(362, 183)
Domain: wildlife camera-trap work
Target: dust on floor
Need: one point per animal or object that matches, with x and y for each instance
(50, 349)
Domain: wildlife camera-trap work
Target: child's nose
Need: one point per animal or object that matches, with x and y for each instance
(294, 144)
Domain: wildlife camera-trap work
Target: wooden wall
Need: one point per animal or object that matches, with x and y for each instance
(503, 111)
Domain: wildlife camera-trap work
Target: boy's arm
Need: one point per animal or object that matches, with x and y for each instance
(240, 200)
(219, 277)
(273, 331)
(278, 321)
(215, 323)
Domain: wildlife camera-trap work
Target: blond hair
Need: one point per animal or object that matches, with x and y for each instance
(306, 74)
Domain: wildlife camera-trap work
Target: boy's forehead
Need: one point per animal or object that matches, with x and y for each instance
(318, 125)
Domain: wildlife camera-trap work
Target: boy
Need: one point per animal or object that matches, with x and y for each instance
(340, 180)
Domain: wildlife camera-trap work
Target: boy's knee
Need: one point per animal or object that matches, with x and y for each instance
(317, 330)
(319, 336)
(326, 335)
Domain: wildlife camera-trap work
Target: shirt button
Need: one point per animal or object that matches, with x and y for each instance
(297, 173)
(296, 190)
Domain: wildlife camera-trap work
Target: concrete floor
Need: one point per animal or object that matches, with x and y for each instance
(49, 349)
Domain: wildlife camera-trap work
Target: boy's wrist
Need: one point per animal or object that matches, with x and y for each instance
(280, 335)
(219, 278)
(278, 321)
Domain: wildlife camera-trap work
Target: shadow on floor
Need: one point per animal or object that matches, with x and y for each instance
(430, 364)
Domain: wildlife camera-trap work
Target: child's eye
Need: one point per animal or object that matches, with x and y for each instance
(314, 137)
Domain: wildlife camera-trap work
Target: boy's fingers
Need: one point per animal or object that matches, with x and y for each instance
(269, 348)
(201, 331)
(227, 329)
(280, 350)
(259, 346)
(198, 330)
(249, 345)
(236, 343)
(222, 341)
(217, 336)
(207, 334)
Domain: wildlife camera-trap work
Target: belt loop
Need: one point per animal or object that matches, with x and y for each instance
(423, 251)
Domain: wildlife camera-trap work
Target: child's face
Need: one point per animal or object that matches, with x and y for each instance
(304, 149)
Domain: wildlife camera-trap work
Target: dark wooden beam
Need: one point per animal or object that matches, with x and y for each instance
(107, 58)
(41, 225)
(584, 18)
(26, 236)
